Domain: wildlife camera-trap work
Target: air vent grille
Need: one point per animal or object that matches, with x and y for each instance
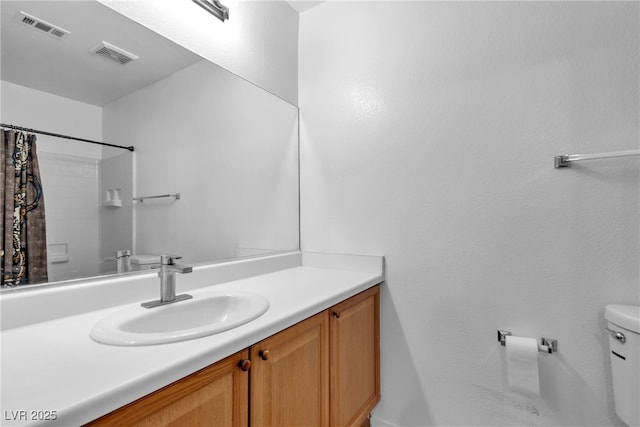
(28, 21)
(114, 53)
(41, 26)
(56, 32)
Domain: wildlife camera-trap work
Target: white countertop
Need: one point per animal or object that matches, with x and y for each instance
(54, 365)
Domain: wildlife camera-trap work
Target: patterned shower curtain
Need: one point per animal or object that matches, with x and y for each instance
(23, 249)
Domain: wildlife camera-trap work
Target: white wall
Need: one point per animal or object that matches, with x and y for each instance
(23, 106)
(428, 131)
(258, 42)
(230, 150)
(69, 171)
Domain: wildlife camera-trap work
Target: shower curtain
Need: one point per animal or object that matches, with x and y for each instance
(23, 249)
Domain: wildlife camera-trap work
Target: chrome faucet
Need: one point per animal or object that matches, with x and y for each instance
(123, 261)
(167, 274)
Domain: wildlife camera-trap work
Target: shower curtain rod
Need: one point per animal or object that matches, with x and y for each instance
(57, 135)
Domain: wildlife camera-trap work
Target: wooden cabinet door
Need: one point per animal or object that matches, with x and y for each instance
(290, 376)
(355, 358)
(215, 396)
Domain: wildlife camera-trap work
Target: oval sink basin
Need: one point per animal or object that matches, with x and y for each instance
(205, 314)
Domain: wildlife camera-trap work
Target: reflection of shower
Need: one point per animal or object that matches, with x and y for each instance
(71, 198)
(23, 239)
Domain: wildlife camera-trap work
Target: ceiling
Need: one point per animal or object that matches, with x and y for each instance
(302, 5)
(66, 67)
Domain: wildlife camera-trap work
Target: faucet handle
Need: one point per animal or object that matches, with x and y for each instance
(169, 259)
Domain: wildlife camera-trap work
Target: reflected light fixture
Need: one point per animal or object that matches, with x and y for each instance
(215, 8)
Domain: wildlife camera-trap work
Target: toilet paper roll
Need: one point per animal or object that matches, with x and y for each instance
(522, 365)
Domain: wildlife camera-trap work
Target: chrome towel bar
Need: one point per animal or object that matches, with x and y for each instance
(564, 161)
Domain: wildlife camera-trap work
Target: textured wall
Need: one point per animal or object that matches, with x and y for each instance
(428, 131)
(259, 41)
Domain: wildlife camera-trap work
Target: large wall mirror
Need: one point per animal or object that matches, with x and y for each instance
(222, 152)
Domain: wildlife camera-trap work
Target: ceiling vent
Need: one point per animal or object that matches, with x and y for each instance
(41, 26)
(114, 53)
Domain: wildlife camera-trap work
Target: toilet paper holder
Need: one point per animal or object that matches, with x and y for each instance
(547, 345)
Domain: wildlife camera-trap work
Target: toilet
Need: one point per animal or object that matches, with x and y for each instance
(144, 262)
(624, 350)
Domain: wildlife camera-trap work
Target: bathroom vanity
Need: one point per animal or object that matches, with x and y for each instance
(312, 357)
(325, 368)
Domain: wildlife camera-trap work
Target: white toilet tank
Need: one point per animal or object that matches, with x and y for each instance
(624, 346)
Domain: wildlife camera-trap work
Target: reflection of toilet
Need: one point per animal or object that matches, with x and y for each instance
(144, 262)
(624, 346)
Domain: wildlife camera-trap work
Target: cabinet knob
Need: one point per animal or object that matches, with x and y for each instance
(264, 354)
(244, 365)
(336, 314)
